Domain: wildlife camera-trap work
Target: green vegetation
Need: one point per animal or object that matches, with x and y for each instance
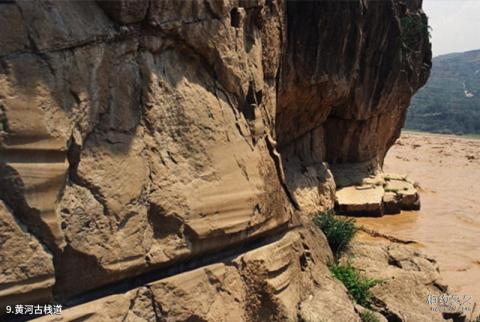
(473, 136)
(450, 101)
(414, 29)
(339, 231)
(357, 285)
(368, 316)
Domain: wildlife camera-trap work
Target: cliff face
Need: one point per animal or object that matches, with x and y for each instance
(348, 73)
(139, 141)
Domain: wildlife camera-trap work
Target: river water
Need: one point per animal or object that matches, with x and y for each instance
(447, 227)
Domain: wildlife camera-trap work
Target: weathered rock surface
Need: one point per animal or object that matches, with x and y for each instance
(348, 73)
(360, 200)
(140, 136)
(132, 148)
(312, 186)
(408, 278)
(364, 191)
(348, 76)
(26, 269)
(271, 282)
(405, 193)
(265, 284)
(386, 196)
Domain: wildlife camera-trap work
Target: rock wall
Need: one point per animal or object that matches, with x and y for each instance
(140, 137)
(348, 73)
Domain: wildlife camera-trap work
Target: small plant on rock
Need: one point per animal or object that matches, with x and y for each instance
(414, 28)
(339, 231)
(357, 285)
(368, 316)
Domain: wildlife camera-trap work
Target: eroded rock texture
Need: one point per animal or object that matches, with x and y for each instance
(128, 148)
(140, 136)
(402, 267)
(265, 284)
(26, 268)
(347, 76)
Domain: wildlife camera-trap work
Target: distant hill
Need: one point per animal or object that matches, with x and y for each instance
(450, 101)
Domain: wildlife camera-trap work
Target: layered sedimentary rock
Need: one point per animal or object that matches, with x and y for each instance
(403, 267)
(265, 284)
(128, 148)
(363, 194)
(348, 73)
(140, 137)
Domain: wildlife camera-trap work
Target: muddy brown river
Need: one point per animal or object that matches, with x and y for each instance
(447, 168)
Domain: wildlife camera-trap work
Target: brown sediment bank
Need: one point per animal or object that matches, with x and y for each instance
(447, 169)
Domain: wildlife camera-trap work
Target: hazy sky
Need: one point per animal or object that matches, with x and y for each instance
(455, 23)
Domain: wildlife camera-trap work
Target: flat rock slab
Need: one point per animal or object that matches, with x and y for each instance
(360, 200)
(405, 194)
(378, 195)
(356, 174)
(391, 204)
(397, 185)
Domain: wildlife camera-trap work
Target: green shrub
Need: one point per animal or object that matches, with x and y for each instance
(414, 29)
(357, 286)
(339, 231)
(368, 316)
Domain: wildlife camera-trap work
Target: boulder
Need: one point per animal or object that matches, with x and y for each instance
(408, 277)
(360, 200)
(391, 203)
(375, 194)
(312, 186)
(405, 193)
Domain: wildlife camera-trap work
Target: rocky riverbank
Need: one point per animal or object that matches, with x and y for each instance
(163, 160)
(447, 171)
